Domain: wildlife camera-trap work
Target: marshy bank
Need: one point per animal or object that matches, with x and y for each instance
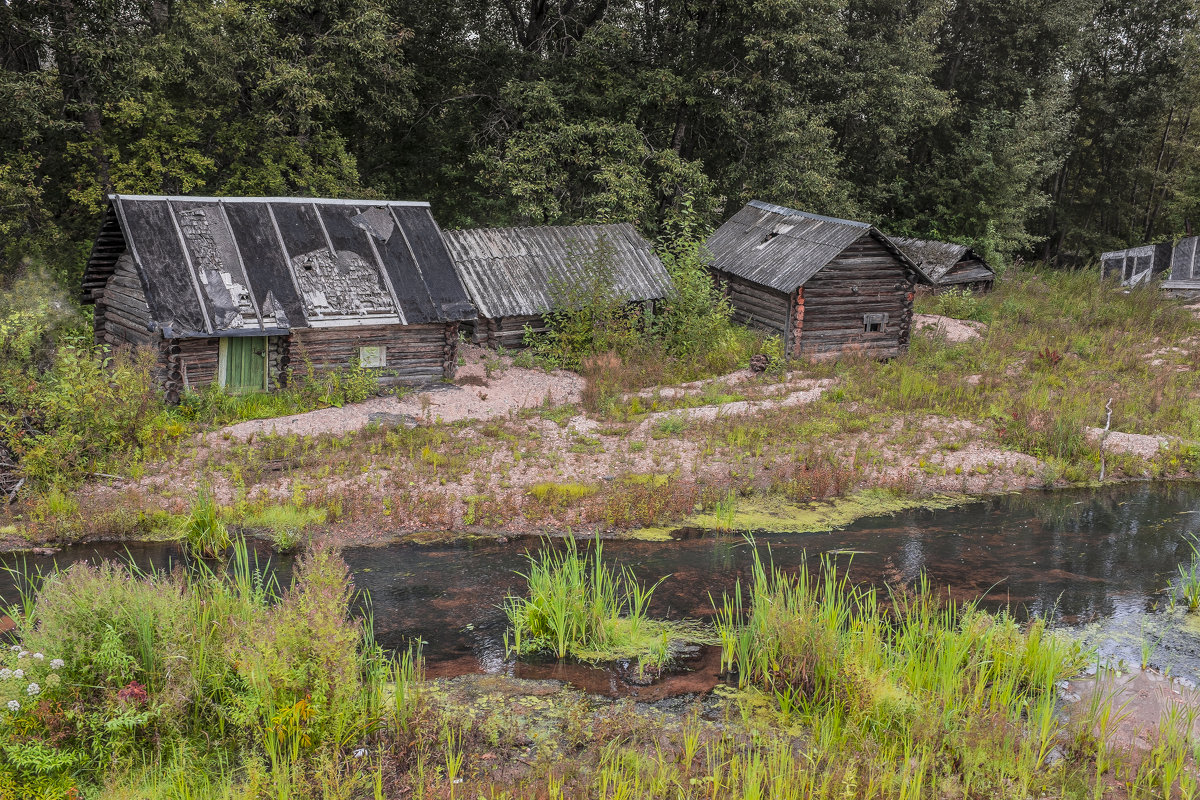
(181, 682)
(1104, 562)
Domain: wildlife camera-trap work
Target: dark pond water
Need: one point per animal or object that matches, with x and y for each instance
(1099, 562)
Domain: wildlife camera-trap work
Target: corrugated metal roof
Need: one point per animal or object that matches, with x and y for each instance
(228, 266)
(515, 271)
(782, 248)
(936, 258)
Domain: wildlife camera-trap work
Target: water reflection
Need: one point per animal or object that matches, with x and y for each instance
(1095, 560)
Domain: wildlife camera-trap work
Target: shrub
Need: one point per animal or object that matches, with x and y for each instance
(198, 675)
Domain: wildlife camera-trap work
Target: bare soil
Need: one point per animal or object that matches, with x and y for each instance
(955, 330)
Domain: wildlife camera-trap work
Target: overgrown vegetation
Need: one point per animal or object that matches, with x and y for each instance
(205, 684)
(580, 607)
(70, 409)
(618, 348)
(170, 685)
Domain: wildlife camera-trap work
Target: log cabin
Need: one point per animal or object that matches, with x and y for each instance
(244, 291)
(946, 265)
(1136, 265)
(827, 287)
(515, 276)
(1184, 280)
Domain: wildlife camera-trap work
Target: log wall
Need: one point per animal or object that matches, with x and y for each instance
(755, 305)
(415, 353)
(865, 278)
(122, 316)
(506, 332)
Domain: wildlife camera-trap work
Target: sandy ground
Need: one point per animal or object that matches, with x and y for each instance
(955, 330)
(473, 395)
(1137, 444)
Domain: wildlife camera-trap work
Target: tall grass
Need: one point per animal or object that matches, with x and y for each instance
(194, 678)
(579, 607)
(907, 669)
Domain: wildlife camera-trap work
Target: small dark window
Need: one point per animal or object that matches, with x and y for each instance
(874, 323)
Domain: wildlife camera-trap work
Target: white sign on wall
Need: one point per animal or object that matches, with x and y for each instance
(375, 356)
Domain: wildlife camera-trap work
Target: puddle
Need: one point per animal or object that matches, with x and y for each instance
(1097, 561)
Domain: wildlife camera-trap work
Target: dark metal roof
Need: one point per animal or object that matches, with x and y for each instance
(937, 258)
(1185, 263)
(229, 266)
(514, 271)
(1136, 265)
(782, 248)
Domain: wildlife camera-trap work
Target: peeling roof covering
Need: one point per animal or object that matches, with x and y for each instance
(513, 271)
(237, 266)
(782, 248)
(936, 259)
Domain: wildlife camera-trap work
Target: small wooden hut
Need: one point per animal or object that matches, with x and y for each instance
(1136, 265)
(828, 287)
(947, 265)
(515, 275)
(238, 290)
(1184, 280)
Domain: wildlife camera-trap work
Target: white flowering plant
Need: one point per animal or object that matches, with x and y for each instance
(26, 677)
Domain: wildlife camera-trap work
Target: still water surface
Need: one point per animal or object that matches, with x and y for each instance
(1101, 563)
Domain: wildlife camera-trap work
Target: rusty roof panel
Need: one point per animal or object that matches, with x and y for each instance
(514, 271)
(228, 266)
(782, 248)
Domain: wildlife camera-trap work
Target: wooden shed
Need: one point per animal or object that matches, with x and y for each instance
(947, 266)
(514, 275)
(1136, 265)
(238, 290)
(828, 287)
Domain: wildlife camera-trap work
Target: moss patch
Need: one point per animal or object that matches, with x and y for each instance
(778, 516)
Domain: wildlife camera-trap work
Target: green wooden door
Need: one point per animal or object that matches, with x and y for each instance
(245, 363)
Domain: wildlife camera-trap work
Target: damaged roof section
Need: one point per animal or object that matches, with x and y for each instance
(781, 247)
(514, 271)
(937, 259)
(242, 266)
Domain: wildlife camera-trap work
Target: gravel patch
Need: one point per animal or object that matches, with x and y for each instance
(955, 330)
(1138, 444)
(474, 394)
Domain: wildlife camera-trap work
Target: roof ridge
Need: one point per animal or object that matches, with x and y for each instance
(791, 212)
(242, 199)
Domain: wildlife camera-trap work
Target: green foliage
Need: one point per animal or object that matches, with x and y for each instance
(913, 668)
(957, 303)
(588, 315)
(580, 607)
(200, 676)
(203, 531)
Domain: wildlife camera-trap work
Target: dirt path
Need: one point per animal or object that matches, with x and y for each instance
(486, 387)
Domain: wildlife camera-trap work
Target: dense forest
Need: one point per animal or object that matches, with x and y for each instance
(1042, 129)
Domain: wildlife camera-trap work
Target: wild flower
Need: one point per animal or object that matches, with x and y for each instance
(53, 680)
(14, 706)
(22, 653)
(57, 663)
(38, 656)
(16, 648)
(19, 674)
(33, 689)
(5, 674)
